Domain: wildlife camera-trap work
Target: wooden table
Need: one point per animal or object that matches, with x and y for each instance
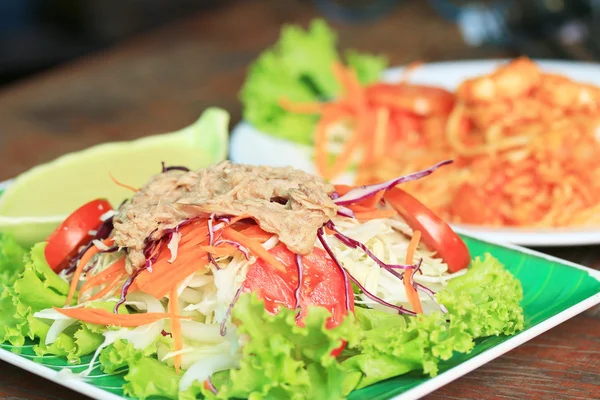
(162, 81)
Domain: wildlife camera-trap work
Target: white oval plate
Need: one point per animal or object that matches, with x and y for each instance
(250, 146)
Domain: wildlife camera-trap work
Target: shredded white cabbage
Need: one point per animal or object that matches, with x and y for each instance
(388, 239)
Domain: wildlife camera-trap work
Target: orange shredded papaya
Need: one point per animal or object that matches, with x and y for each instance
(114, 269)
(254, 247)
(411, 292)
(176, 327)
(110, 286)
(103, 317)
(123, 185)
(87, 256)
(374, 214)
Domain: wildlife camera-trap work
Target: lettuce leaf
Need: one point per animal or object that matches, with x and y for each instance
(298, 67)
(36, 288)
(482, 302)
(282, 360)
(486, 299)
(146, 376)
(11, 260)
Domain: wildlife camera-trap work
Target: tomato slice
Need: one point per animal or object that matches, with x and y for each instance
(322, 285)
(436, 234)
(64, 242)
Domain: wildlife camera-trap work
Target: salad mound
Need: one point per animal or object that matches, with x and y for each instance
(252, 282)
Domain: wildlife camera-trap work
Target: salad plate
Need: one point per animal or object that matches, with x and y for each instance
(448, 75)
(554, 291)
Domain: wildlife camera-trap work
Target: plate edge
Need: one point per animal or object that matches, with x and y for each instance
(52, 375)
(497, 351)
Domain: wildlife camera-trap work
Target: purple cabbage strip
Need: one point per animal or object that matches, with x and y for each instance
(211, 240)
(345, 212)
(125, 289)
(299, 288)
(165, 333)
(179, 168)
(321, 236)
(400, 309)
(431, 295)
(241, 248)
(353, 243)
(102, 233)
(412, 276)
(223, 330)
(364, 192)
(211, 386)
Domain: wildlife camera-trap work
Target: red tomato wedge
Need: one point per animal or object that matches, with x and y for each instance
(436, 234)
(64, 242)
(322, 285)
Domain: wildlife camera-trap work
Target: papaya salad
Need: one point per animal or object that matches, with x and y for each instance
(524, 139)
(240, 281)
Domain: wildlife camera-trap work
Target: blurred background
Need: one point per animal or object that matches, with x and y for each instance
(90, 71)
(39, 34)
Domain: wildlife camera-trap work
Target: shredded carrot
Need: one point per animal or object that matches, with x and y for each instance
(222, 250)
(374, 214)
(110, 286)
(344, 159)
(116, 268)
(87, 256)
(254, 247)
(381, 128)
(176, 327)
(123, 185)
(300, 108)
(342, 189)
(411, 292)
(102, 317)
(373, 201)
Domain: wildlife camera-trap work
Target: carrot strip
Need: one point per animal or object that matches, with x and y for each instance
(374, 214)
(223, 250)
(300, 108)
(342, 189)
(115, 268)
(159, 283)
(108, 288)
(176, 327)
(254, 247)
(87, 256)
(102, 317)
(411, 292)
(123, 185)
(381, 128)
(372, 202)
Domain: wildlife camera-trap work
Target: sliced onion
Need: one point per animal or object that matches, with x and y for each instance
(173, 246)
(431, 295)
(210, 333)
(364, 192)
(223, 327)
(204, 368)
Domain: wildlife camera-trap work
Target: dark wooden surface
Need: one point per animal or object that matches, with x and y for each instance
(161, 81)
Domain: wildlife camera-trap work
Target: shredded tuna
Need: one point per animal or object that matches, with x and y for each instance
(287, 202)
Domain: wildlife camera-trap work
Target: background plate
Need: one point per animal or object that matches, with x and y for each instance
(250, 146)
(554, 291)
